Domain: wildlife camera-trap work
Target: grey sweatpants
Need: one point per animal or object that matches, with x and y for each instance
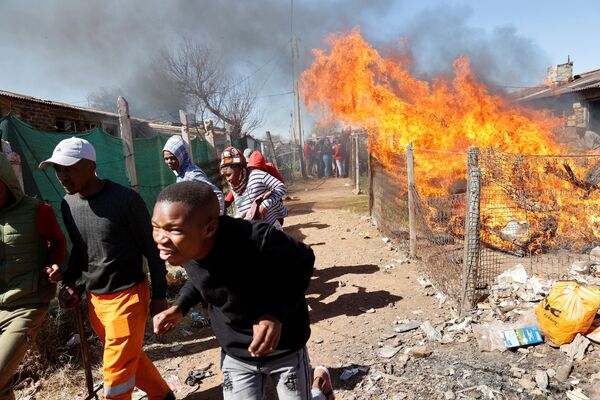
(244, 381)
(18, 328)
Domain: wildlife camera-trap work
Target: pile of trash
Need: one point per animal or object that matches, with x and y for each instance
(524, 310)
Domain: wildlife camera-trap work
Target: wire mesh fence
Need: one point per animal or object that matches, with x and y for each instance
(480, 213)
(538, 211)
(440, 218)
(389, 200)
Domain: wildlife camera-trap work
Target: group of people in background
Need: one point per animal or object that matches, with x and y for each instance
(246, 271)
(325, 158)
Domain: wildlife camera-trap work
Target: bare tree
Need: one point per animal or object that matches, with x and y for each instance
(201, 76)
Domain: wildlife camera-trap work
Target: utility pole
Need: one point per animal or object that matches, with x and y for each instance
(297, 109)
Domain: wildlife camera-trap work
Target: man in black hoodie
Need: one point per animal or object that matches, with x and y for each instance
(253, 278)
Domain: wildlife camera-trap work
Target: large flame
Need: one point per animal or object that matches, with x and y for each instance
(354, 84)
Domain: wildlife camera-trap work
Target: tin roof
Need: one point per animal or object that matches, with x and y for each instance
(580, 82)
(74, 107)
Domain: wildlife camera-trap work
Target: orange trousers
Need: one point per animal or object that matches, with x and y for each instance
(119, 320)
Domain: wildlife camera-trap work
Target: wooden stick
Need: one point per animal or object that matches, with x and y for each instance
(85, 354)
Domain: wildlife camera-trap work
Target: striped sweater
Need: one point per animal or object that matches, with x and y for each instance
(260, 182)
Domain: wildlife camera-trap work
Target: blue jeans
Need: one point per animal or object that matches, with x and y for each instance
(327, 162)
(340, 168)
(244, 381)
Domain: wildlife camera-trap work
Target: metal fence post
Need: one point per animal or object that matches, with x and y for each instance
(412, 223)
(472, 232)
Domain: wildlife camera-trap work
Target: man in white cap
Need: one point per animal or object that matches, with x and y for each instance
(109, 226)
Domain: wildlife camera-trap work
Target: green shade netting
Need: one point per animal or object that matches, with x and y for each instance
(35, 146)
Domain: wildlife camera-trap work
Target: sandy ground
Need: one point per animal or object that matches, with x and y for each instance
(354, 300)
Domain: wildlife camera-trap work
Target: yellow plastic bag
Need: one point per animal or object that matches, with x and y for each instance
(567, 310)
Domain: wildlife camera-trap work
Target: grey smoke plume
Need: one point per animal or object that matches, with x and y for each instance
(73, 46)
(498, 55)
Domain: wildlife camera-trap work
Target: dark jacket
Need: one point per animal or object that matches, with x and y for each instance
(253, 270)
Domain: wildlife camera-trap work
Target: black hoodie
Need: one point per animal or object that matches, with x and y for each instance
(253, 270)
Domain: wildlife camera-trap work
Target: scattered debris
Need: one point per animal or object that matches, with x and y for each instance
(196, 376)
(174, 383)
(364, 234)
(406, 325)
(541, 379)
(367, 310)
(419, 351)
(349, 372)
(442, 298)
(576, 394)
(577, 348)
(517, 274)
(425, 283)
(522, 336)
(595, 253)
(174, 366)
(431, 332)
(198, 320)
(388, 351)
(563, 372)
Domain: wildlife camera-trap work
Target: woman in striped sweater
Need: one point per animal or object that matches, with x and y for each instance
(257, 195)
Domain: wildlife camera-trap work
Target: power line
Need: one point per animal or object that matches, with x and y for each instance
(275, 94)
(256, 71)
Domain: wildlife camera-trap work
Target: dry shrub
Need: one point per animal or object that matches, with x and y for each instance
(50, 353)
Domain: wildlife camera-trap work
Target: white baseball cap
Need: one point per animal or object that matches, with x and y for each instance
(70, 151)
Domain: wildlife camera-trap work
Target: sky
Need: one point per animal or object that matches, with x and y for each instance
(64, 50)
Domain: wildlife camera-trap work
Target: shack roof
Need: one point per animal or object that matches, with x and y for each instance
(580, 82)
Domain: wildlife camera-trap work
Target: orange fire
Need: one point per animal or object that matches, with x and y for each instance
(353, 84)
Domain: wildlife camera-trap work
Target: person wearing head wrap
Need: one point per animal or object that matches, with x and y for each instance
(178, 159)
(257, 195)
